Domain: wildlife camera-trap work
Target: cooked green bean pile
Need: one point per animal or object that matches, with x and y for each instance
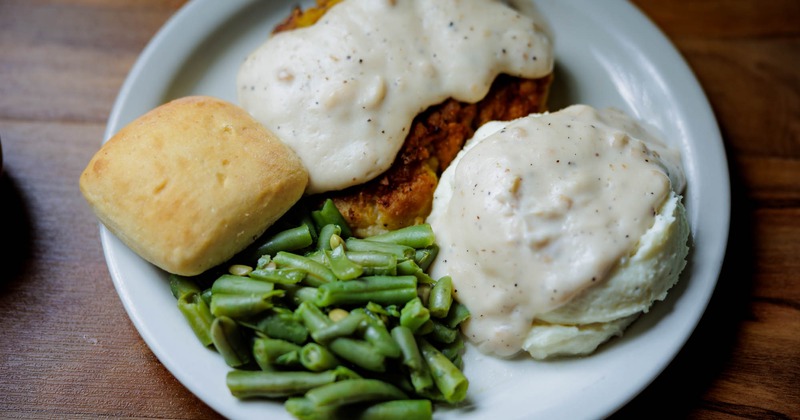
(339, 327)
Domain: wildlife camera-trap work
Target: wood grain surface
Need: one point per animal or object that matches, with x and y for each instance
(69, 350)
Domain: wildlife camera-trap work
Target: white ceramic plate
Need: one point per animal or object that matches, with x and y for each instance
(607, 54)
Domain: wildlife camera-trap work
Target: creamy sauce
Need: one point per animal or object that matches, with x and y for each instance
(343, 92)
(546, 206)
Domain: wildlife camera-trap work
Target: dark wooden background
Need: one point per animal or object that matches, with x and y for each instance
(68, 349)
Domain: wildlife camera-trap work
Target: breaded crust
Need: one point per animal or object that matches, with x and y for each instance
(300, 18)
(403, 195)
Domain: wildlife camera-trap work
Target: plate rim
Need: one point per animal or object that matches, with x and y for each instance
(196, 10)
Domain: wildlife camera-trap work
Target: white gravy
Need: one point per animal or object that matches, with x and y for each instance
(529, 216)
(343, 92)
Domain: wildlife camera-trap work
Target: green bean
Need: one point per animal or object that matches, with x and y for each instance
(458, 314)
(414, 314)
(343, 328)
(419, 373)
(249, 384)
(399, 378)
(263, 261)
(404, 337)
(379, 312)
(359, 353)
(425, 256)
(374, 263)
(399, 251)
(316, 274)
(230, 284)
(206, 295)
(424, 291)
(341, 266)
(242, 306)
(317, 358)
(325, 234)
(457, 360)
(384, 290)
(307, 220)
(453, 350)
(319, 300)
(290, 359)
(302, 408)
(354, 391)
(380, 338)
(198, 315)
(442, 334)
(282, 310)
(316, 256)
(269, 352)
(283, 326)
(312, 317)
(450, 381)
(279, 275)
(344, 373)
(425, 328)
(230, 342)
(297, 294)
(410, 268)
(441, 297)
(181, 286)
(395, 410)
(416, 236)
(287, 240)
(422, 380)
(329, 214)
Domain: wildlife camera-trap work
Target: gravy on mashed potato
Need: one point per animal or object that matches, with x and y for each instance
(535, 211)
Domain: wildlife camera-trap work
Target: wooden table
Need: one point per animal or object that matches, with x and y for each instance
(69, 350)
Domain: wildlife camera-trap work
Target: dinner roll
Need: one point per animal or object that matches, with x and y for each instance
(191, 183)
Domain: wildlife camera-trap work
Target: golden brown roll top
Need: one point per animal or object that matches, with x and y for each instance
(191, 183)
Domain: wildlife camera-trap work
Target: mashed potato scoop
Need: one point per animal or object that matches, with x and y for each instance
(558, 229)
